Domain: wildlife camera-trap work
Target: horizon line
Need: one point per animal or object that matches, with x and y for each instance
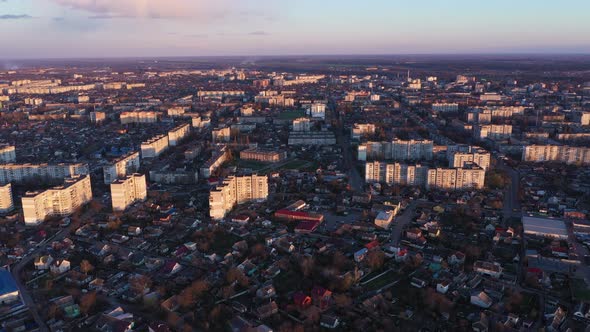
(434, 54)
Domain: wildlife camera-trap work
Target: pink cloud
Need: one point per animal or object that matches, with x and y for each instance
(146, 8)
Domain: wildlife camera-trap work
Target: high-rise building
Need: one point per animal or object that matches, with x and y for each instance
(470, 176)
(398, 150)
(18, 173)
(127, 191)
(177, 134)
(396, 173)
(301, 124)
(61, 200)
(493, 131)
(139, 117)
(221, 135)
(97, 117)
(7, 153)
(121, 167)
(561, 153)
(236, 190)
(154, 146)
(445, 107)
(475, 155)
(6, 201)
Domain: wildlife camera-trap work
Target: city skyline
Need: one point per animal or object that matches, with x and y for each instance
(153, 28)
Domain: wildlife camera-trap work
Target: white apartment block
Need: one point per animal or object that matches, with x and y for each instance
(139, 117)
(61, 200)
(97, 117)
(470, 176)
(561, 153)
(176, 111)
(358, 130)
(236, 190)
(396, 173)
(154, 146)
(445, 107)
(7, 154)
(121, 167)
(125, 192)
(178, 134)
(218, 157)
(220, 94)
(18, 173)
(585, 119)
(200, 122)
(475, 155)
(221, 135)
(6, 202)
(317, 110)
(491, 131)
(398, 150)
(301, 124)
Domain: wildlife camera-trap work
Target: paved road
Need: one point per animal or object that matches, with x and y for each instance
(401, 221)
(355, 179)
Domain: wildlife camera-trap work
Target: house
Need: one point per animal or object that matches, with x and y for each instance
(60, 266)
(171, 304)
(413, 233)
(266, 291)
(133, 230)
(418, 283)
(43, 262)
(115, 320)
(266, 310)
(491, 269)
(171, 268)
(481, 300)
(96, 284)
(360, 255)
(321, 297)
(77, 278)
(443, 287)
(301, 300)
(457, 258)
(329, 322)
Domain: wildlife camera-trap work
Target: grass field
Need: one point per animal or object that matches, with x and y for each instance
(383, 280)
(291, 115)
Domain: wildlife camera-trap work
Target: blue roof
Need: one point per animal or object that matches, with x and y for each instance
(7, 283)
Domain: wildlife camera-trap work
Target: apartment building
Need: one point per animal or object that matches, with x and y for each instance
(18, 173)
(561, 153)
(125, 192)
(470, 176)
(6, 201)
(59, 201)
(268, 156)
(154, 146)
(496, 132)
(397, 149)
(396, 173)
(236, 190)
(7, 153)
(445, 107)
(317, 110)
(139, 117)
(97, 117)
(218, 157)
(359, 130)
(175, 112)
(220, 94)
(477, 155)
(178, 134)
(121, 167)
(221, 135)
(200, 122)
(301, 125)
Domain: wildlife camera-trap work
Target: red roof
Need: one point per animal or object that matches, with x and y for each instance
(307, 226)
(298, 214)
(373, 244)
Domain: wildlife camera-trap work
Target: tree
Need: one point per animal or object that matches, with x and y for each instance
(375, 259)
(307, 265)
(86, 267)
(87, 302)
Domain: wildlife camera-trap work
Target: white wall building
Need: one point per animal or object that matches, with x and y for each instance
(125, 192)
(61, 200)
(121, 167)
(178, 134)
(6, 201)
(7, 154)
(236, 190)
(18, 173)
(154, 146)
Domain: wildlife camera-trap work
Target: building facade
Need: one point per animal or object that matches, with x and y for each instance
(60, 201)
(236, 190)
(122, 166)
(154, 147)
(125, 192)
(19, 173)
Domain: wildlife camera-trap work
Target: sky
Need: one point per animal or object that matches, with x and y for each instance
(148, 28)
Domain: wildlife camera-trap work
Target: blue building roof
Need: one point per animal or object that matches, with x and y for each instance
(7, 283)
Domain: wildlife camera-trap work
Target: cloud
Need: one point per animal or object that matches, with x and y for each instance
(259, 33)
(169, 9)
(15, 17)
